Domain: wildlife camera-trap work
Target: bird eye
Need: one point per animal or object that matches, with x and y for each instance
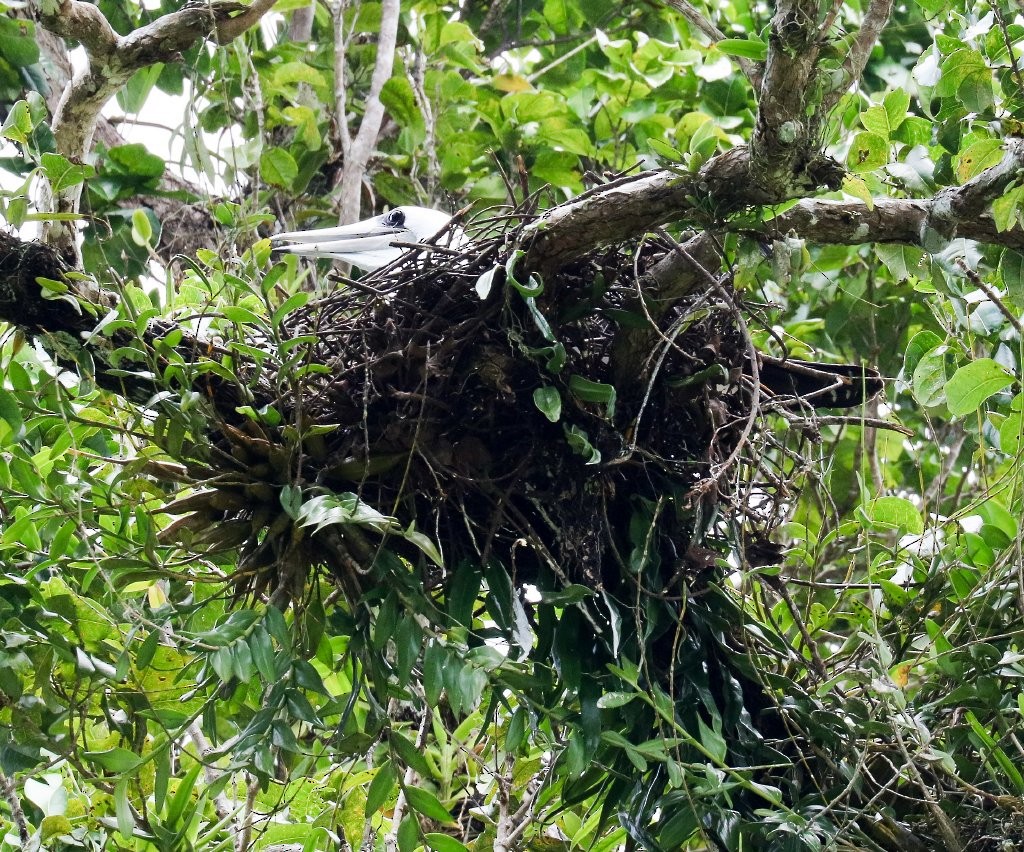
(395, 219)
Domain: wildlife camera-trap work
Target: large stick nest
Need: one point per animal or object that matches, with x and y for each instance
(409, 390)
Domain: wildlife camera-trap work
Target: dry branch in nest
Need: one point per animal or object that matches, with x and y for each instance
(493, 424)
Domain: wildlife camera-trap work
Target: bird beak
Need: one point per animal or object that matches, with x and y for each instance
(366, 236)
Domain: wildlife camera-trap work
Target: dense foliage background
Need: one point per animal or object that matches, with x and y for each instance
(858, 687)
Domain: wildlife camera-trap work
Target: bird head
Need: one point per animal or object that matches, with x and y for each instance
(369, 244)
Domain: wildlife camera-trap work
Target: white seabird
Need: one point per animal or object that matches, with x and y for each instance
(369, 244)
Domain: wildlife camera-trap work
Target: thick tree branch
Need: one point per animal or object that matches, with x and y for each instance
(185, 226)
(113, 59)
(618, 210)
(958, 211)
(629, 206)
(892, 220)
(67, 324)
(228, 29)
(785, 133)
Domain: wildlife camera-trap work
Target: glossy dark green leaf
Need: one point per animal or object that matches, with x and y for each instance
(381, 787)
(408, 754)
(426, 804)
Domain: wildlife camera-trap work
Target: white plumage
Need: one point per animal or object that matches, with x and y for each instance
(368, 245)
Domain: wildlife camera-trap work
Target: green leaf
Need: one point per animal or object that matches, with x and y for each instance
(380, 788)
(902, 261)
(713, 741)
(989, 743)
(746, 48)
(409, 754)
(977, 157)
(590, 391)
(920, 345)
(426, 804)
(611, 700)
(289, 73)
(425, 544)
(664, 149)
(142, 230)
(137, 160)
(549, 402)
(571, 594)
(868, 152)
(929, 379)
(515, 735)
(1011, 270)
(704, 141)
(856, 187)
(1006, 208)
(973, 383)
(62, 173)
(241, 315)
(408, 834)
(278, 167)
(133, 95)
(291, 304)
(18, 124)
(896, 513)
(10, 413)
(966, 75)
(261, 650)
(462, 593)
(679, 827)
(579, 441)
(116, 760)
(400, 102)
(434, 658)
(408, 642)
(444, 843)
(18, 41)
(896, 104)
(876, 120)
(1011, 434)
(122, 808)
(17, 208)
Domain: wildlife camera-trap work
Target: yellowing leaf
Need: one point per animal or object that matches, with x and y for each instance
(855, 186)
(978, 157)
(511, 83)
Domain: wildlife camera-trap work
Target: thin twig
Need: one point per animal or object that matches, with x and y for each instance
(993, 296)
(10, 795)
(850, 420)
(751, 70)
(1014, 66)
(391, 839)
(755, 392)
(875, 18)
